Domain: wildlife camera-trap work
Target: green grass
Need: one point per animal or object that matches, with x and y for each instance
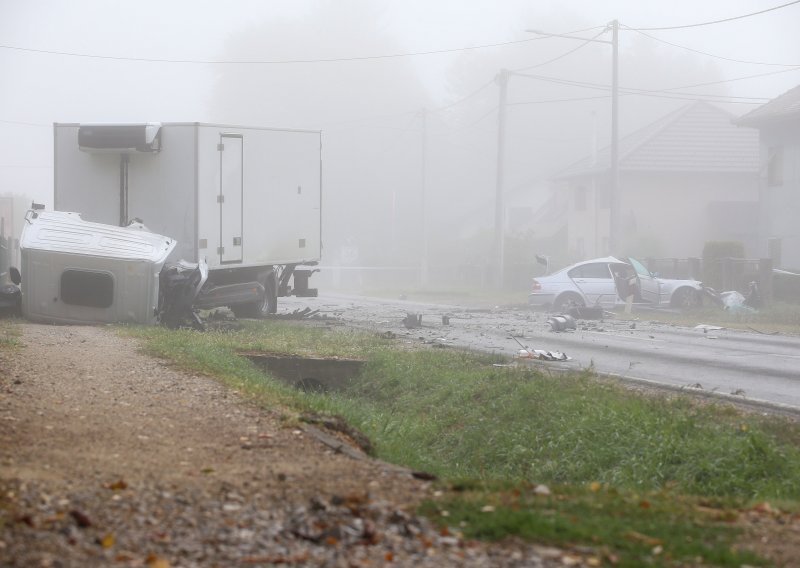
(9, 334)
(505, 429)
(621, 528)
(457, 416)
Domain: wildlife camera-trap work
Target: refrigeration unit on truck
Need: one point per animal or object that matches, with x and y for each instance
(247, 201)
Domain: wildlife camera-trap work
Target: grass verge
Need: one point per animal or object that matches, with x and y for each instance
(9, 334)
(507, 429)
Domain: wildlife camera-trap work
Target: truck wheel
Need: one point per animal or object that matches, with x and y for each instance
(267, 305)
(270, 303)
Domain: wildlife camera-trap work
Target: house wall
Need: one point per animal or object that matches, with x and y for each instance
(664, 214)
(780, 202)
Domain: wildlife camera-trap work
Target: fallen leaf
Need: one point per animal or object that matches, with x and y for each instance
(644, 504)
(764, 508)
(595, 486)
(154, 561)
(81, 519)
(639, 537)
(108, 541)
(118, 485)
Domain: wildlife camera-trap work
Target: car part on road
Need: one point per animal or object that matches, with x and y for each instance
(562, 323)
(412, 320)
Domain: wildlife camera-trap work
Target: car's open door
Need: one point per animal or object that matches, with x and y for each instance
(649, 286)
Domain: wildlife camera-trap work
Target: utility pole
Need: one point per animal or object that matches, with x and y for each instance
(613, 190)
(613, 206)
(499, 211)
(423, 274)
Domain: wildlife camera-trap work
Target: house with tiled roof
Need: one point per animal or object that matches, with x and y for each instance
(778, 124)
(688, 178)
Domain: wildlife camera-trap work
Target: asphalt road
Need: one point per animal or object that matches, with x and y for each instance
(743, 364)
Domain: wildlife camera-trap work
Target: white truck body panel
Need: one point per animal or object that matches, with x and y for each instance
(234, 196)
(76, 272)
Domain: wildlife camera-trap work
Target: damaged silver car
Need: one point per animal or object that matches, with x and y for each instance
(609, 281)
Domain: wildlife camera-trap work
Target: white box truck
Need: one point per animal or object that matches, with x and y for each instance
(245, 200)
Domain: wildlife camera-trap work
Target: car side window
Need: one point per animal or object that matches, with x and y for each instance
(591, 270)
(640, 268)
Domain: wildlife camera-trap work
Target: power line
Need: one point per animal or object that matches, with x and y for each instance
(281, 61)
(602, 86)
(735, 79)
(659, 95)
(462, 99)
(710, 54)
(717, 21)
(563, 55)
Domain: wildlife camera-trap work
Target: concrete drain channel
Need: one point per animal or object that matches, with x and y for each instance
(310, 374)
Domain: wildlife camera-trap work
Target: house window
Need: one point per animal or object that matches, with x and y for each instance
(87, 288)
(775, 166)
(580, 198)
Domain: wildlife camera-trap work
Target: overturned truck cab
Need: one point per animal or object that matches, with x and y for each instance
(77, 272)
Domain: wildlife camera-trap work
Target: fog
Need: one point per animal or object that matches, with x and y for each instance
(405, 94)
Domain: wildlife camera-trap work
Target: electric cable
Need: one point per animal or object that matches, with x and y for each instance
(697, 25)
(562, 56)
(603, 86)
(282, 61)
(654, 38)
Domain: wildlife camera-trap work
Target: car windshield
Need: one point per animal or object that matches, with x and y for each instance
(639, 268)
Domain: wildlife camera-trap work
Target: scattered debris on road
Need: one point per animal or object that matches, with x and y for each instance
(563, 322)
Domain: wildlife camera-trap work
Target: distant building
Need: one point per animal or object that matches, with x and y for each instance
(778, 124)
(688, 178)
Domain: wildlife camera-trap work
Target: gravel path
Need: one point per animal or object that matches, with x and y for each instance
(110, 457)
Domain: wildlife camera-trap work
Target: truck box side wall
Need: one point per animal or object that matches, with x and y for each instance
(281, 195)
(160, 185)
(161, 189)
(85, 183)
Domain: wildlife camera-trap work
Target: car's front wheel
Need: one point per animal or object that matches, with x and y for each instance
(685, 298)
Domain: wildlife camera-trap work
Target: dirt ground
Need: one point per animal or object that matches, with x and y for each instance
(110, 457)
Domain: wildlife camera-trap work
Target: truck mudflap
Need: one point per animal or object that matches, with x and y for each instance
(301, 288)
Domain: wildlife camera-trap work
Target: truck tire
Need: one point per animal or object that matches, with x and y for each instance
(267, 305)
(270, 303)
